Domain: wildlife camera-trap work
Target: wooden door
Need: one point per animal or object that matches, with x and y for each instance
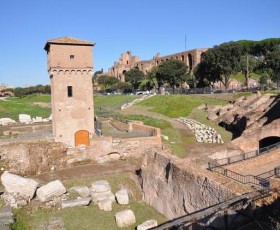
(82, 138)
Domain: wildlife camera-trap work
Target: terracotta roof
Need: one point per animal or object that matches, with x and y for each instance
(68, 40)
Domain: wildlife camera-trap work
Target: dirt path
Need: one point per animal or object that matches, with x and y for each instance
(89, 170)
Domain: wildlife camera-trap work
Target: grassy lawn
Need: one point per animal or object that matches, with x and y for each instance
(178, 105)
(90, 217)
(159, 123)
(13, 106)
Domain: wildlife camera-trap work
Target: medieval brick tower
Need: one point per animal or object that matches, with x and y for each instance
(70, 67)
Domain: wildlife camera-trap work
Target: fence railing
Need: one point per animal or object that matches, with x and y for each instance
(244, 156)
(261, 180)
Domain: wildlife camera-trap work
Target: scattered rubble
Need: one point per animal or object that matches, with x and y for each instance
(203, 133)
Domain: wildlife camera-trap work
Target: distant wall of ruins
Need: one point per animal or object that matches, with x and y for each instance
(126, 62)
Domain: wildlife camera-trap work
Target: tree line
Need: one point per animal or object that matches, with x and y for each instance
(220, 62)
(218, 65)
(24, 91)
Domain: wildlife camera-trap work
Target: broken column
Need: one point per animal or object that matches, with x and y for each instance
(125, 218)
(50, 190)
(101, 190)
(122, 196)
(17, 184)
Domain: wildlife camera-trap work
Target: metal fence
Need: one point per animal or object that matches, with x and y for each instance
(244, 156)
(261, 180)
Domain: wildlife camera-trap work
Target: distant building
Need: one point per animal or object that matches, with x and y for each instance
(70, 67)
(126, 62)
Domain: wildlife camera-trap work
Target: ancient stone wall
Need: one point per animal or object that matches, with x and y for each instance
(175, 187)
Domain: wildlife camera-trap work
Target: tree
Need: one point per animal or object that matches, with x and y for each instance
(134, 77)
(172, 72)
(107, 82)
(272, 61)
(124, 87)
(248, 63)
(219, 63)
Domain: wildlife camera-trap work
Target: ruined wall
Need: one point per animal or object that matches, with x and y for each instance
(175, 187)
(32, 158)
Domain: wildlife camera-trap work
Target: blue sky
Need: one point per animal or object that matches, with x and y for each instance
(144, 27)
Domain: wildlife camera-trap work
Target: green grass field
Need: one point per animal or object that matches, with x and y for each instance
(178, 105)
(13, 106)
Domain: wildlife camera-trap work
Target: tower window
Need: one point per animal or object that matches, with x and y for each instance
(69, 91)
(72, 56)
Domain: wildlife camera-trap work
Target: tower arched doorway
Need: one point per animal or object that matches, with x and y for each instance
(82, 138)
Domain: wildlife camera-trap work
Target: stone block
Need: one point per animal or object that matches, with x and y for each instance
(125, 218)
(122, 196)
(75, 203)
(17, 184)
(147, 225)
(24, 118)
(50, 191)
(83, 191)
(105, 205)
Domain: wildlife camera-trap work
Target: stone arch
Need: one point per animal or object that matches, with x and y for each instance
(82, 138)
(190, 58)
(183, 58)
(202, 56)
(267, 141)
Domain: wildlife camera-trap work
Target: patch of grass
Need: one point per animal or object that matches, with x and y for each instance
(90, 217)
(13, 106)
(159, 123)
(178, 141)
(241, 77)
(178, 105)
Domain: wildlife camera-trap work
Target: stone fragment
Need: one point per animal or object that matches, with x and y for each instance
(50, 190)
(100, 186)
(97, 197)
(125, 218)
(147, 225)
(83, 191)
(114, 156)
(105, 205)
(122, 196)
(103, 159)
(6, 121)
(76, 202)
(17, 184)
(24, 118)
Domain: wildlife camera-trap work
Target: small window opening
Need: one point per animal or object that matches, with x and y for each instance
(69, 91)
(72, 56)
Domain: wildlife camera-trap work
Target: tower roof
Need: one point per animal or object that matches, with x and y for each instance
(68, 41)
